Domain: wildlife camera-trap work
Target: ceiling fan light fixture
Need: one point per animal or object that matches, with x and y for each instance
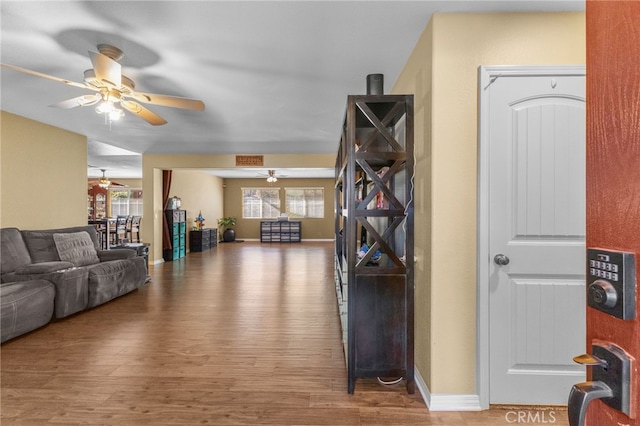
(104, 182)
(105, 107)
(110, 110)
(116, 114)
(272, 176)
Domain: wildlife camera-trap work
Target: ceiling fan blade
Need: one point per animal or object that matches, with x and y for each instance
(170, 101)
(142, 112)
(50, 77)
(107, 70)
(78, 102)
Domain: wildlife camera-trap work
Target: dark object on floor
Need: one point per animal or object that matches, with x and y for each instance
(229, 235)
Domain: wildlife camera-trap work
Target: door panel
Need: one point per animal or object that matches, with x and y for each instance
(613, 176)
(549, 138)
(537, 219)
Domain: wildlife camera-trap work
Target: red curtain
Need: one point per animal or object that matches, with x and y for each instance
(166, 189)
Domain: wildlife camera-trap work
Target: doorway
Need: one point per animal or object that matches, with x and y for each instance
(531, 233)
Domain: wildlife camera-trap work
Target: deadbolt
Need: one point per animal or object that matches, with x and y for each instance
(501, 259)
(602, 293)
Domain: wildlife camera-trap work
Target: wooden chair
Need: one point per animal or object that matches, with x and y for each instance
(134, 232)
(101, 227)
(121, 229)
(127, 228)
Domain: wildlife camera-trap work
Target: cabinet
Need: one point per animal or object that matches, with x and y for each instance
(97, 202)
(203, 239)
(177, 221)
(280, 231)
(374, 237)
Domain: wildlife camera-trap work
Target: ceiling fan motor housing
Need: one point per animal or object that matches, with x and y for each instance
(127, 85)
(110, 51)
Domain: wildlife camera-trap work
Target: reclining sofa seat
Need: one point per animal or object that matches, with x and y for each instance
(25, 306)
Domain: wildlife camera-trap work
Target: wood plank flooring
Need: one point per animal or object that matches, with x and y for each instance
(243, 334)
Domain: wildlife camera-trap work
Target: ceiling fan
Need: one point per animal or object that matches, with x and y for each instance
(271, 176)
(113, 88)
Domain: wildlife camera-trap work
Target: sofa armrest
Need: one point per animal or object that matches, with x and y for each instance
(43, 267)
(116, 254)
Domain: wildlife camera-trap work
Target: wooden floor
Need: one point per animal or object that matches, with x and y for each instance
(243, 334)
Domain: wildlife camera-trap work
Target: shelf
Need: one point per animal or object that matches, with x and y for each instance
(203, 239)
(176, 219)
(280, 231)
(374, 232)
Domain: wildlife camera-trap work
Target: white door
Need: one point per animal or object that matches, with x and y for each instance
(536, 245)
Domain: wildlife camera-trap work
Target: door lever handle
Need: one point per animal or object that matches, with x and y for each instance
(611, 383)
(581, 396)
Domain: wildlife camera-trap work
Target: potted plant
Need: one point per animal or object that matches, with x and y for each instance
(228, 234)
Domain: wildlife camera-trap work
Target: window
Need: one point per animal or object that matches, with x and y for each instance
(305, 202)
(260, 203)
(126, 202)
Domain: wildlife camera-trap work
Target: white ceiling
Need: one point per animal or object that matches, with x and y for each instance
(274, 75)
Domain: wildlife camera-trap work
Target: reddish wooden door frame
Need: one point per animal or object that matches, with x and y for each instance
(613, 168)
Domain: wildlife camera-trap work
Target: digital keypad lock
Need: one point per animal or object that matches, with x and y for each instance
(611, 278)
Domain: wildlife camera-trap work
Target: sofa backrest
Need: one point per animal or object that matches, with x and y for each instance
(42, 247)
(13, 251)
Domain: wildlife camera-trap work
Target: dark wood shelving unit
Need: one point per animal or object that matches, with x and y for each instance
(373, 198)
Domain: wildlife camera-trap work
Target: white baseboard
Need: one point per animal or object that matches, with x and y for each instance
(446, 402)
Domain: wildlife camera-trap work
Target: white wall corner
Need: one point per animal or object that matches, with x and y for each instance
(446, 402)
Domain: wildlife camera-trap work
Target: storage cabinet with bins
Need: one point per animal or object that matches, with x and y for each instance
(282, 231)
(177, 221)
(203, 239)
(374, 237)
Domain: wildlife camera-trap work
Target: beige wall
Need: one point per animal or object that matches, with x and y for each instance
(416, 78)
(153, 164)
(199, 192)
(43, 177)
(312, 229)
(442, 73)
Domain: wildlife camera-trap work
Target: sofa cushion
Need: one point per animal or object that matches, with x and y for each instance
(116, 254)
(76, 247)
(108, 280)
(41, 246)
(13, 251)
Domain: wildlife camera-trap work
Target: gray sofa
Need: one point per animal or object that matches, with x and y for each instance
(70, 260)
